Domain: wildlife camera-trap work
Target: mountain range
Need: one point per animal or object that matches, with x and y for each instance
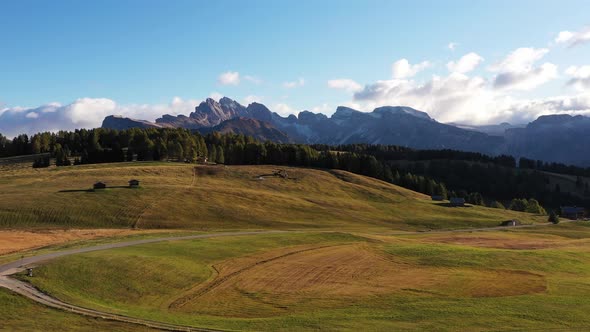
(553, 138)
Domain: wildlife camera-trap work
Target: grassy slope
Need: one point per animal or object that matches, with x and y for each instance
(20, 314)
(172, 197)
(430, 281)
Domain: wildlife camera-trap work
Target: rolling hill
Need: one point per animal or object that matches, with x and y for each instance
(174, 195)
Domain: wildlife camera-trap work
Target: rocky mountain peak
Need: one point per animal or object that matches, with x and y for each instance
(402, 110)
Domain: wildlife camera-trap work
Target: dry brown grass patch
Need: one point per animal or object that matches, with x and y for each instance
(15, 240)
(500, 241)
(307, 278)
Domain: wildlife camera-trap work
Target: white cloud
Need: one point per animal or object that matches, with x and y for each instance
(294, 84)
(517, 70)
(215, 95)
(521, 59)
(467, 63)
(82, 113)
(345, 84)
(573, 38)
(85, 112)
(251, 99)
(323, 108)
(580, 77)
(470, 100)
(229, 78)
(403, 69)
(283, 109)
(450, 98)
(452, 45)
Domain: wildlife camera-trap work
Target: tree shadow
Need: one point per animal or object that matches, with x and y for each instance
(453, 206)
(93, 190)
(76, 191)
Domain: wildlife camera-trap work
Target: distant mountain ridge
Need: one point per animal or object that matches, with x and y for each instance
(393, 125)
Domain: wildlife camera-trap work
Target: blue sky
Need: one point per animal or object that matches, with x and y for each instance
(137, 57)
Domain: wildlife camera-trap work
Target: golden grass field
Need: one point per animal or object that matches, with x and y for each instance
(479, 281)
(360, 253)
(183, 196)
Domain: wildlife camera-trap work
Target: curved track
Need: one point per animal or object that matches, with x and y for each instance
(36, 295)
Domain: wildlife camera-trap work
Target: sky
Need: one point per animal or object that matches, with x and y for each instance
(68, 64)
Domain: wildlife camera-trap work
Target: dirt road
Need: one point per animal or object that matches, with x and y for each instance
(30, 292)
(36, 295)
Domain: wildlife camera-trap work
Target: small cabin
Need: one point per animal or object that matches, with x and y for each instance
(437, 198)
(99, 185)
(512, 222)
(133, 183)
(457, 201)
(572, 212)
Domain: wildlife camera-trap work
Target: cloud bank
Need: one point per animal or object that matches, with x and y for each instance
(82, 113)
(575, 38)
(475, 99)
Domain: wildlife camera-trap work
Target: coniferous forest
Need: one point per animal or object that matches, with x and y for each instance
(495, 181)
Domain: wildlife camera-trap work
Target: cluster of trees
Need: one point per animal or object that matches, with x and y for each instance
(560, 168)
(18, 146)
(393, 152)
(480, 179)
(530, 206)
(496, 178)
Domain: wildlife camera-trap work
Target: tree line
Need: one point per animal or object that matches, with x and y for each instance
(480, 179)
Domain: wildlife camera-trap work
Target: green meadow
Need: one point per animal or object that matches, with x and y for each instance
(359, 253)
(278, 281)
(179, 196)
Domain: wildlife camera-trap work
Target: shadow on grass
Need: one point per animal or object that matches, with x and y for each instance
(452, 205)
(93, 190)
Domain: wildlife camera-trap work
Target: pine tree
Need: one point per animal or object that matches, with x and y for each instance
(220, 159)
(518, 205)
(497, 205)
(553, 217)
(533, 206)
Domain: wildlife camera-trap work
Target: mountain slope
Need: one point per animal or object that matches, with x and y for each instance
(121, 123)
(260, 130)
(559, 138)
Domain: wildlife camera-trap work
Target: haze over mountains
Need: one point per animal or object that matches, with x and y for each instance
(554, 138)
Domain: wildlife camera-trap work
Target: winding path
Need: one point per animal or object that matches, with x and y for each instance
(36, 295)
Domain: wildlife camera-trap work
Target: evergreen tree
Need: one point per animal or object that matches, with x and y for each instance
(553, 217)
(533, 206)
(518, 205)
(212, 153)
(220, 159)
(496, 205)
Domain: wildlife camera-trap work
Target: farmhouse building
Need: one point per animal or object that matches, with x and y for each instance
(457, 201)
(572, 212)
(512, 222)
(99, 185)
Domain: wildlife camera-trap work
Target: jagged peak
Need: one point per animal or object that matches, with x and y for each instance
(343, 111)
(229, 102)
(257, 106)
(402, 109)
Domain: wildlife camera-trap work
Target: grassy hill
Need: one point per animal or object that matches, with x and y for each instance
(185, 196)
(349, 264)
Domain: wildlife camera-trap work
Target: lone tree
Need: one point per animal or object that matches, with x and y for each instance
(553, 217)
